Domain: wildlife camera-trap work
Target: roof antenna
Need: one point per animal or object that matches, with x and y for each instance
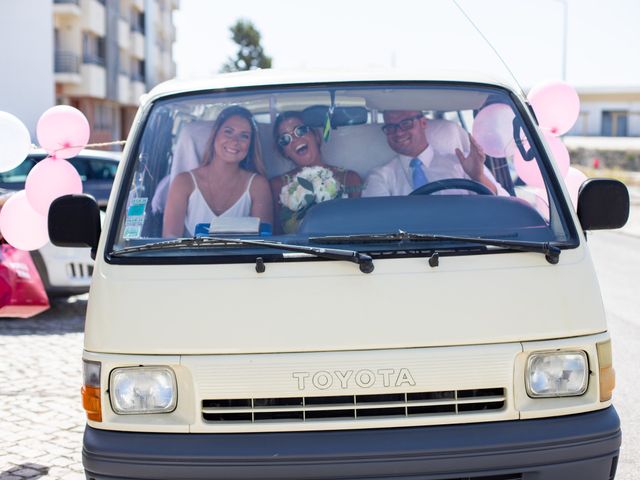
(492, 47)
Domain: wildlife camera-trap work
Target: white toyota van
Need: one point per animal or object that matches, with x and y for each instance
(451, 331)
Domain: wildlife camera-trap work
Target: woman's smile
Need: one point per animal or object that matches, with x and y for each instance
(303, 150)
(233, 140)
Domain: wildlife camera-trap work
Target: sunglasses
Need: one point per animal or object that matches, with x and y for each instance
(402, 125)
(286, 138)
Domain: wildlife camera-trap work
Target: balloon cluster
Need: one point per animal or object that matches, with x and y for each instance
(557, 106)
(62, 132)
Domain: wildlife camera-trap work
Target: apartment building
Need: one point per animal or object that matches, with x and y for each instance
(107, 53)
(26, 59)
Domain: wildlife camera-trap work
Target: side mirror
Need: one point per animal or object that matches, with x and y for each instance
(603, 204)
(74, 221)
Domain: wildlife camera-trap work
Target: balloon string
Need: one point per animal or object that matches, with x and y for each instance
(106, 144)
(102, 144)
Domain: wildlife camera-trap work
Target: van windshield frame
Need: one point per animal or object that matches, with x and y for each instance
(163, 119)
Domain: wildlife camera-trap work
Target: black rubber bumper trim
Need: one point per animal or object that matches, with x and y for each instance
(584, 445)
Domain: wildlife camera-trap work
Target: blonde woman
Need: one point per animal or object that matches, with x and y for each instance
(229, 183)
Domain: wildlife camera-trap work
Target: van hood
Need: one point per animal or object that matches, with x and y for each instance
(304, 306)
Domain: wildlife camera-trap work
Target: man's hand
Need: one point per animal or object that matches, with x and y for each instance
(473, 164)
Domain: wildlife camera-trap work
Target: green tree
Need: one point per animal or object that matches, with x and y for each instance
(250, 53)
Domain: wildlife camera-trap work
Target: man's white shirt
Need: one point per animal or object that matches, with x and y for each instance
(395, 177)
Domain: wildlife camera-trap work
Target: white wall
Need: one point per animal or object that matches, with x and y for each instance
(593, 111)
(26, 59)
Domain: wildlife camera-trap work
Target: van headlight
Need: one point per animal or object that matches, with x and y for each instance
(135, 390)
(557, 374)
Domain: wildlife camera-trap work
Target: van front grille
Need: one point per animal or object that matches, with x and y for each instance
(352, 407)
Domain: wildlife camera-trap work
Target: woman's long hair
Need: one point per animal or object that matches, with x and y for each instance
(253, 161)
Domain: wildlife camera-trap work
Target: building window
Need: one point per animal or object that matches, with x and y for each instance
(93, 49)
(137, 70)
(137, 21)
(615, 123)
(124, 63)
(103, 117)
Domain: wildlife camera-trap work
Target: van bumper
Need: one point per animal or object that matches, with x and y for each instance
(581, 446)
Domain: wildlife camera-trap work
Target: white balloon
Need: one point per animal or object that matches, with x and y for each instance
(15, 141)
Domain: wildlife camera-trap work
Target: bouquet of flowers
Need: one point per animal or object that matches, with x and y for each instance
(309, 186)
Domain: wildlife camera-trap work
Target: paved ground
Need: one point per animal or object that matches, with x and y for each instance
(41, 417)
(633, 224)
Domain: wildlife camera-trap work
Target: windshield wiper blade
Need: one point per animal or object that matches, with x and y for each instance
(364, 261)
(179, 243)
(551, 252)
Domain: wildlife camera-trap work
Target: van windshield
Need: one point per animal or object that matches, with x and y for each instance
(350, 164)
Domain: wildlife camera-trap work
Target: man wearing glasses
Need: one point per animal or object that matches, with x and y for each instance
(417, 163)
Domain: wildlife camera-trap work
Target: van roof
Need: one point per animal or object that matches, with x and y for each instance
(260, 77)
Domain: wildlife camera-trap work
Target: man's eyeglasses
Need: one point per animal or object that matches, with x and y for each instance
(286, 138)
(402, 125)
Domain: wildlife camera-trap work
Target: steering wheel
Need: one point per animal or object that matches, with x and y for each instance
(452, 184)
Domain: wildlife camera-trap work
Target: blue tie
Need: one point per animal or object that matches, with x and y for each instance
(417, 174)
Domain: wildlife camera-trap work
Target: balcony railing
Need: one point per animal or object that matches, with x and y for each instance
(74, 2)
(66, 62)
(137, 77)
(137, 28)
(92, 59)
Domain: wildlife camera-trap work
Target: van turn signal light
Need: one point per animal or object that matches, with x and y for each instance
(91, 402)
(607, 373)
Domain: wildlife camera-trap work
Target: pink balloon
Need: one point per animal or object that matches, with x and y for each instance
(574, 180)
(21, 225)
(49, 179)
(529, 171)
(493, 130)
(63, 131)
(559, 152)
(557, 106)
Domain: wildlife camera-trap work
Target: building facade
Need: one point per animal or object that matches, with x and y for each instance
(608, 112)
(26, 83)
(107, 53)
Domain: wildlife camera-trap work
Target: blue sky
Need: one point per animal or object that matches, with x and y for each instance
(603, 37)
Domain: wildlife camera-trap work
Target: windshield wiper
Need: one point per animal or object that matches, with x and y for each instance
(364, 261)
(551, 252)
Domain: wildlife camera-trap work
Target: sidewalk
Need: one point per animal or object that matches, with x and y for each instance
(633, 224)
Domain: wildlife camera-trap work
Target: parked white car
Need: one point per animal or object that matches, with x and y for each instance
(96, 168)
(67, 271)
(64, 271)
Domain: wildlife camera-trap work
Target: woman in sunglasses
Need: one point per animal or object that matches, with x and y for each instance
(310, 177)
(229, 182)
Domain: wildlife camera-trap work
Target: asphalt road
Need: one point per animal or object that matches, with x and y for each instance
(617, 260)
(41, 420)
